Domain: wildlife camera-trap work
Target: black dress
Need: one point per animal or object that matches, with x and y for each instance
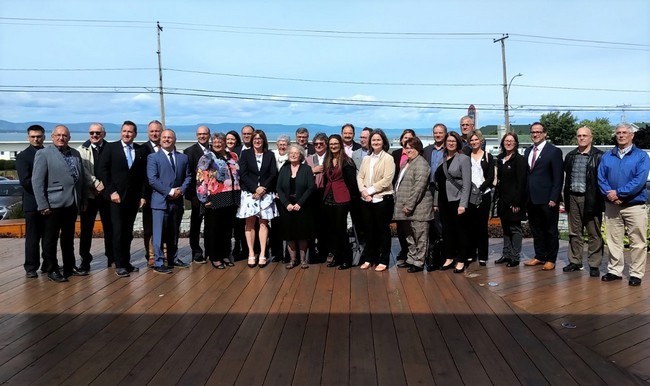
(296, 225)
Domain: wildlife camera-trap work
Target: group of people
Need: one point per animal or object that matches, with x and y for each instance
(292, 203)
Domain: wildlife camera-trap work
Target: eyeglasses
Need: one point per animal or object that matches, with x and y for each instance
(95, 132)
(319, 143)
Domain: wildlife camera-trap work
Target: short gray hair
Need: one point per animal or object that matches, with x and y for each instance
(220, 136)
(283, 138)
(300, 149)
(627, 126)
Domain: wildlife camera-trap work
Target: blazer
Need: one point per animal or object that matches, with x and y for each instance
(348, 181)
(413, 192)
(397, 156)
(382, 179)
(460, 169)
(357, 157)
(250, 177)
(147, 148)
(511, 187)
(54, 186)
(24, 167)
(116, 175)
(194, 154)
(304, 184)
(545, 179)
(162, 178)
(90, 166)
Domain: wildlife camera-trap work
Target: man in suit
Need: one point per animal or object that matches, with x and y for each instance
(434, 154)
(168, 173)
(58, 182)
(545, 174)
(347, 134)
(302, 139)
(34, 223)
(194, 153)
(122, 169)
(154, 129)
(91, 152)
(359, 154)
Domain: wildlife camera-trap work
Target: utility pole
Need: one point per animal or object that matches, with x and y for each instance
(505, 81)
(623, 116)
(162, 100)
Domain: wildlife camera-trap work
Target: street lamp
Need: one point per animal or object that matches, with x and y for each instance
(506, 105)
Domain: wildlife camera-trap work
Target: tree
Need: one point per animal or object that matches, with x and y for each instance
(642, 137)
(561, 128)
(601, 130)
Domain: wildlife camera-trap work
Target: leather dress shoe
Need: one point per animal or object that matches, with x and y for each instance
(431, 268)
(415, 268)
(31, 274)
(512, 263)
(57, 277)
(594, 271)
(181, 264)
(404, 265)
(132, 269)
(344, 266)
(79, 272)
(548, 266)
(610, 277)
(572, 267)
(502, 260)
(533, 262)
(122, 272)
(162, 269)
(634, 281)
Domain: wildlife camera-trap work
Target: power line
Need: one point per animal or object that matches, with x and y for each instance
(582, 45)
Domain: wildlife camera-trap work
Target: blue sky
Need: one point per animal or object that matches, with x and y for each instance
(389, 54)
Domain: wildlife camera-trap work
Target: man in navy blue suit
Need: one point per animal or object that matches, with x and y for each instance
(545, 176)
(168, 173)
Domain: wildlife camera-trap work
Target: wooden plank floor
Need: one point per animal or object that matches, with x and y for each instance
(275, 326)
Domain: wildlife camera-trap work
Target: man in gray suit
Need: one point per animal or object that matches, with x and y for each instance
(359, 154)
(58, 181)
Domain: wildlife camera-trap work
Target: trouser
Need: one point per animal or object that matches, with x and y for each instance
(59, 225)
(543, 222)
(337, 223)
(512, 238)
(87, 218)
(196, 217)
(634, 218)
(147, 232)
(579, 220)
(477, 220)
(377, 218)
(219, 225)
(123, 217)
(454, 231)
(417, 233)
(402, 230)
(34, 228)
(166, 228)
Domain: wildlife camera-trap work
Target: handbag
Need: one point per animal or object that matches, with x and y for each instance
(475, 196)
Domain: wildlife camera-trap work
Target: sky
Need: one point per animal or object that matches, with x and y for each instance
(388, 64)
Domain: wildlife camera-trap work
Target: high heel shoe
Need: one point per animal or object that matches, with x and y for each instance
(262, 262)
(228, 262)
(460, 270)
(252, 262)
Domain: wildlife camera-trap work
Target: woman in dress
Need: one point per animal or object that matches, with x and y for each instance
(453, 186)
(414, 204)
(512, 198)
(340, 189)
(233, 141)
(478, 216)
(375, 182)
(217, 187)
(257, 175)
(295, 185)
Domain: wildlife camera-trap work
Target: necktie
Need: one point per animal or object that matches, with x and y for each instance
(171, 159)
(532, 162)
(129, 157)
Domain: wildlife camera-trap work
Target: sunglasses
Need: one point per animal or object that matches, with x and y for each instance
(95, 133)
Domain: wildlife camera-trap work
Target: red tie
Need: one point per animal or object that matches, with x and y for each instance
(532, 163)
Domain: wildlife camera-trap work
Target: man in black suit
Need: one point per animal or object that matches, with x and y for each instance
(194, 153)
(302, 139)
(122, 169)
(545, 175)
(154, 129)
(347, 133)
(33, 219)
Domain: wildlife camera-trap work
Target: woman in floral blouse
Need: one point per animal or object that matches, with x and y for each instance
(217, 187)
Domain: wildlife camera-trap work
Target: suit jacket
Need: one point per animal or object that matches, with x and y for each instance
(116, 175)
(250, 177)
(413, 192)
(162, 178)
(147, 148)
(357, 157)
(24, 167)
(545, 179)
(90, 165)
(54, 186)
(460, 169)
(194, 154)
(397, 156)
(511, 190)
(382, 178)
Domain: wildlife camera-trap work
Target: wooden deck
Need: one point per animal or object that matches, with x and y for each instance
(320, 326)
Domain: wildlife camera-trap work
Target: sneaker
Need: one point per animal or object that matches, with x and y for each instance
(572, 267)
(611, 277)
(634, 281)
(162, 269)
(31, 274)
(122, 272)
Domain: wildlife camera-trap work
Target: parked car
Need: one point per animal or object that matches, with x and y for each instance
(11, 195)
